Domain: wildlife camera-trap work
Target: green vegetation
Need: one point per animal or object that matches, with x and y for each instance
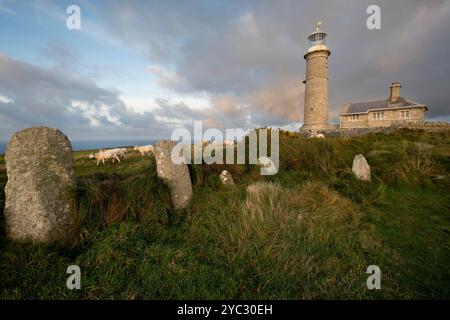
(308, 232)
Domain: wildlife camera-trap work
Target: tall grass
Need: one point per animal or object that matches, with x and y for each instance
(285, 243)
(113, 198)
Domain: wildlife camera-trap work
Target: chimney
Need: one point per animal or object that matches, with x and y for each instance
(395, 92)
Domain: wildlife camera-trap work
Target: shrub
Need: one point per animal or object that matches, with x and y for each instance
(416, 165)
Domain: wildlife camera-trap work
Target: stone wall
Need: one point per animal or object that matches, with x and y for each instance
(428, 126)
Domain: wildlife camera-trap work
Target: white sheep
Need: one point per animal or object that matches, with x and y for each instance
(119, 151)
(103, 155)
(319, 135)
(144, 149)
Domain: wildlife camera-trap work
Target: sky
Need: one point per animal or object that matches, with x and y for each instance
(141, 69)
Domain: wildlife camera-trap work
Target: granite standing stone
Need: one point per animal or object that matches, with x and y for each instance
(40, 204)
(175, 175)
(361, 168)
(226, 178)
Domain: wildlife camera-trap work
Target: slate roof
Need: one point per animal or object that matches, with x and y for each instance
(365, 106)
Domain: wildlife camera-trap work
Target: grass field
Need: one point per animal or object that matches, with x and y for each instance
(309, 232)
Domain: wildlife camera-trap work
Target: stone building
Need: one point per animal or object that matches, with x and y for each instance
(316, 83)
(395, 110)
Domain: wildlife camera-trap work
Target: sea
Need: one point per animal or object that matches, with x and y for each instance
(97, 144)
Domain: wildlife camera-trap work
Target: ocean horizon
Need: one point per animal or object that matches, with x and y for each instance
(79, 145)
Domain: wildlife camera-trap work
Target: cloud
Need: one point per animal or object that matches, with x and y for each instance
(37, 96)
(167, 78)
(5, 99)
(177, 113)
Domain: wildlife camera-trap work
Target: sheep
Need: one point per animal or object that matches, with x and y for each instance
(120, 151)
(144, 149)
(319, 135)
(103, 155)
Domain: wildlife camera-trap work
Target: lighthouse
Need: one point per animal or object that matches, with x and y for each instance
(316, 83)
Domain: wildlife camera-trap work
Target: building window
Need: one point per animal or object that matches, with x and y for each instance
(354, 117)
(405, 114)
(378, 115)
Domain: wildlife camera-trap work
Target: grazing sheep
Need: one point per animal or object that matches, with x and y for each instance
(120, 151)
(144, 149)
(319, 135)
(103, 155)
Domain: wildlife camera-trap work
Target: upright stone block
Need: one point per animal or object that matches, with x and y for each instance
(361, 168)
(40, 204)
(175, 175)
(226, 178)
